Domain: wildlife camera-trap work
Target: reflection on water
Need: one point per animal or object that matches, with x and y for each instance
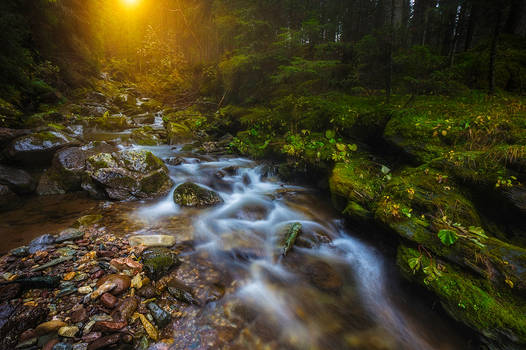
(332, 291)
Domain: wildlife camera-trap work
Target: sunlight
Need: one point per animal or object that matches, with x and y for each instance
(130, 2)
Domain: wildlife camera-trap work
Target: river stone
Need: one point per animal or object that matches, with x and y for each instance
(68, 331)
(39, 148)
(152, 240)
(123, 282)
(49, 185)
(192, 195)
(161, 317)
(8, 135)
(17, 180)
(104, 342)
(41, 243)
(49, 327)
(158, 261)
(68, 167)
(127, 175)
(69, 234)
(126, 309)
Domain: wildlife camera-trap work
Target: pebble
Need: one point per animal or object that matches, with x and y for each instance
(85, 290)
(68, 331)
(69, 276)
(62, 346)
(79, 315)
(49, 326)
(108, 300)
(50, 344)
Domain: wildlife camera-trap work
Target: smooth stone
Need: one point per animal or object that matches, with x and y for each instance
(20, 252)
(152, 240)
(126, 309)
(161, 317)
(158, 261)
(79, 315)
(50, 344)
(108, 300)
(122, 282)
(195, 196)
(53, 263)
(69, 234)
(109, 326)
(63, 346)
(49, 326)
(68, 331)
(104, 342)
(27, 343)
(85, 290)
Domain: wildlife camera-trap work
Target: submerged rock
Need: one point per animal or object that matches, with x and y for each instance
(192, 195)
(158, 261)
(121, 282)
(161, 317)
(152, 240)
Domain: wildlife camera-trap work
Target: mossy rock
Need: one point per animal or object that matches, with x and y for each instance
(155, 183)
(192, 195)
(356, 185)
(140, 161)
(112, 123)
(178, 132)
(100, 161)
(38, 148)
(144, 136)
(497, 315)
(158, 261)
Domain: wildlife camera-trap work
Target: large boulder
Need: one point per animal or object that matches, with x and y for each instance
(145, 136)
(18, 180)
(66, 173)
(8, 135)
(38, 148)
(192, 195)
(127, 175)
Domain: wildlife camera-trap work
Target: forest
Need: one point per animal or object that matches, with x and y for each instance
(263, 174)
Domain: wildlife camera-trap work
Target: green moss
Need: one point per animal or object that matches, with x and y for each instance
(155, 182)
(144, 136)
(471, 300)
(356, 185)
(192, 195)
(102, 160)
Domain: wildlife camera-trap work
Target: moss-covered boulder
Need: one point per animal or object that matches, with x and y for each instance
(116, 122)
(356, 185)
(495, 313)
(144, 136)
(38, 148)
(127, 175)
(158, 261)
(178, 132)
(192, 195)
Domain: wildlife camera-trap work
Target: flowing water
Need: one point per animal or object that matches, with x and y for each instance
(332, 291)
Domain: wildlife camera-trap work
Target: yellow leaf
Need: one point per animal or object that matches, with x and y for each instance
(150, 329)
(509, 282)
(444, 132)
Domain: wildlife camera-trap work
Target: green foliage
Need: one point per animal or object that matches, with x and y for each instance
(447, 237)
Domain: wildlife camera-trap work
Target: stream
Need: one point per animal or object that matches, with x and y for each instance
(332, 291)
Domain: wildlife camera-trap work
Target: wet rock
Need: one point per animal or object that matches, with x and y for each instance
(52, 263)
(152, 240)
(49, 185)
(49, 327)
(182, 293)
(126, 264)
(192, 195)
(145, 118)
(8, 198)
(39, 148)
(88, 220)
(148, 292)
(104, 342)
(20, 252)
(144, 136)
(51, 344)
(68, 167)
(69, 234)
(68, 331)
(79, 315)
(174, 161)
(109, 300)
(158, 261)
(91, 337)
(161, 317)
(126, 309)
(17, 180)
(62, 346)
(121, 282)
(128, 175)
(41, 243)
(116, 122)
(323, 276)
(108, 326)
(85, 290)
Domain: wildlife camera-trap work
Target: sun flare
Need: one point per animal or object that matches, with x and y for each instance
(130, 2)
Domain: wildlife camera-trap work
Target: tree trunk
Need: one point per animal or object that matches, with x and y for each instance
(473, 13)
(493, 51)
(514, 18)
